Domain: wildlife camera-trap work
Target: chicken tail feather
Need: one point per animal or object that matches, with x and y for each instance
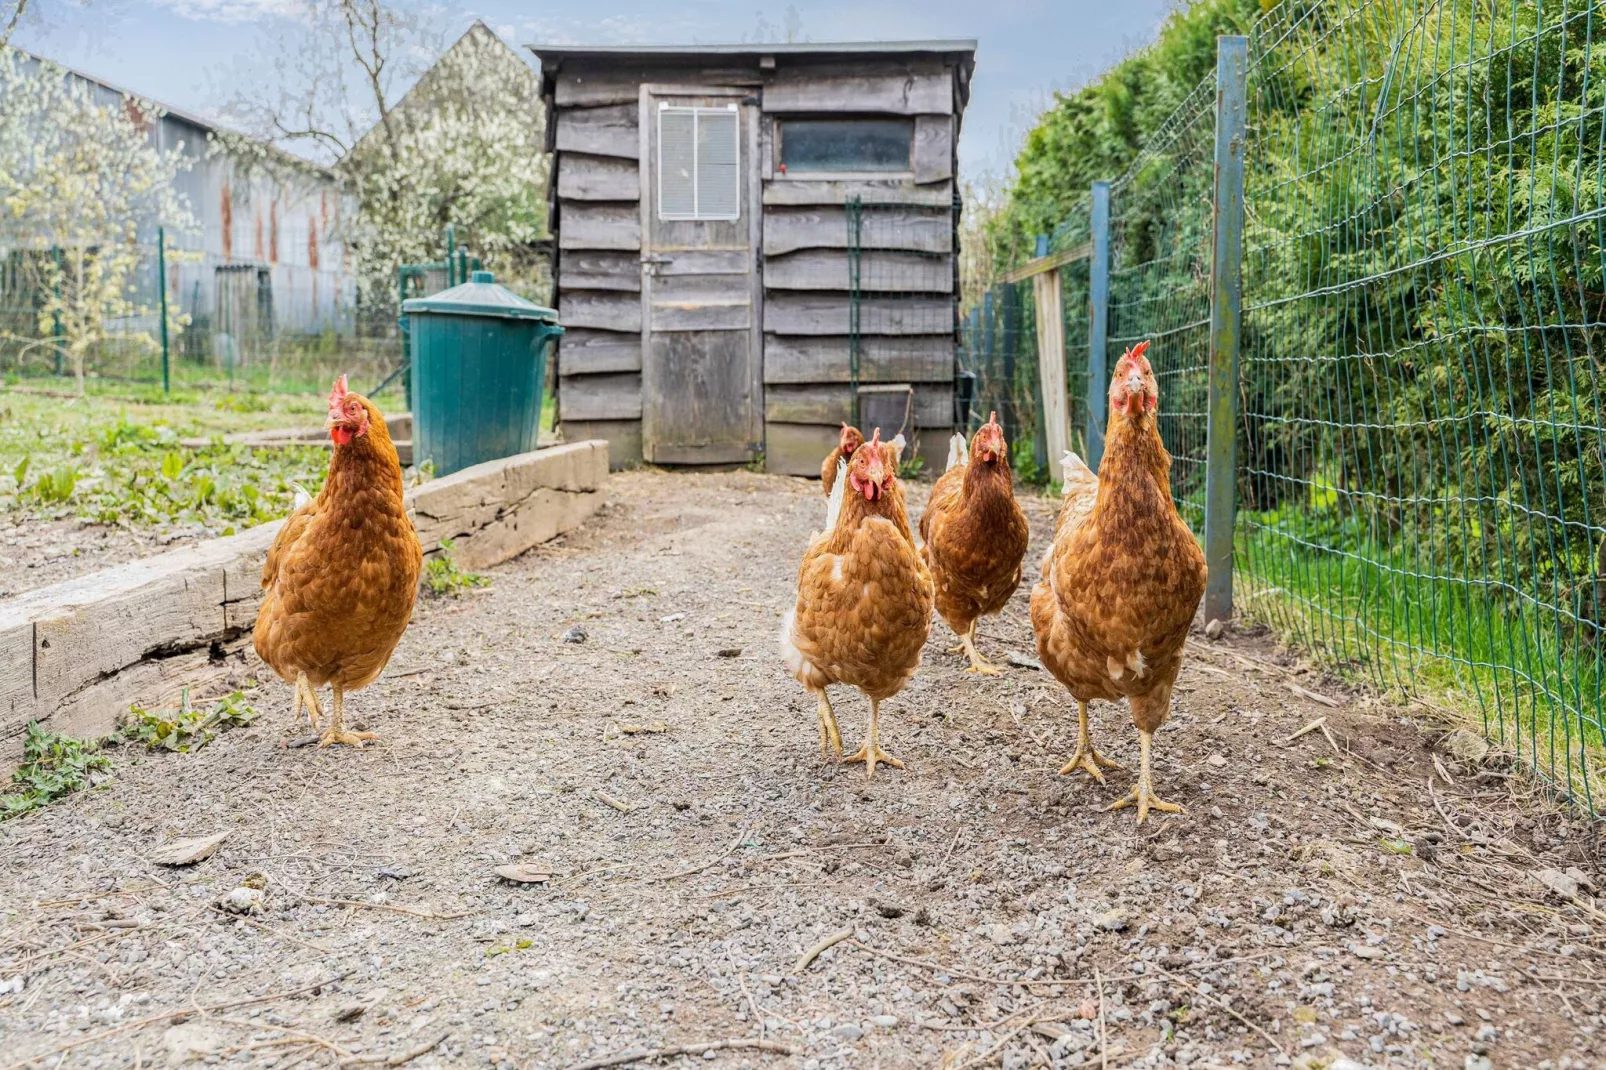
(958, 452)
(303, 496)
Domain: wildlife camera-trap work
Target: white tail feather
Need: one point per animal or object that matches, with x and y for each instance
(958, 452)
(833, 507)
(1074, 473)
(897, 445)
(302, 496)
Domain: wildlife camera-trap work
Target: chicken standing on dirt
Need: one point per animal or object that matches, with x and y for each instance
(1122, 581)
(863, 598)
(852, 438)
(343, 572)
(975, 537)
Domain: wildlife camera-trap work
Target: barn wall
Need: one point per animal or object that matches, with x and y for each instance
(907, 269)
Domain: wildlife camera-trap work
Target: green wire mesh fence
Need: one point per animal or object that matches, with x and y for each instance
(1421, 448)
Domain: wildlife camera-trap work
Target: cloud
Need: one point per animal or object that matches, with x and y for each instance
(234, 10)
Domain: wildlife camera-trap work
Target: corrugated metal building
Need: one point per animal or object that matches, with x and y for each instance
(756, 242)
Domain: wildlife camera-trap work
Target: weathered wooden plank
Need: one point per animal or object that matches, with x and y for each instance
(1051, 368)
(600, 309)
(622, 436)
(831, 403)
(809, 89)
(934, 148)
(583, 88)
(703, 316)
(585, 269)
(588, 352)
(615, 396)
(883, 359)
(924, 230)
(807, 191)
(827, 313)
(666, 265)
(598, 226)
(598, 178)
(880, 271)
(605, 131)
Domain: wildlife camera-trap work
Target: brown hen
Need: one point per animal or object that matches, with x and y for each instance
(1122, 581)
(343, 572)
(975, 537)
(850, 441)
(863, 598)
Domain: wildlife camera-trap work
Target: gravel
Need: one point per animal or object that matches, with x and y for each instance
(984, 892)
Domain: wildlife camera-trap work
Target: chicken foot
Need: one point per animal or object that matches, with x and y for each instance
(871, 752)
(306, 698)
(830, 737)
(967, 647)
(1142, 794)
(336, 732)
(1087, 758)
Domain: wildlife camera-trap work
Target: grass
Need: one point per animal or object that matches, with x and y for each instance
(442, 577)
(184, 730)
(1511, 668)
(52, 766)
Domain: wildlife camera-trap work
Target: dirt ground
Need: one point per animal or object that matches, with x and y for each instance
(1319, 900)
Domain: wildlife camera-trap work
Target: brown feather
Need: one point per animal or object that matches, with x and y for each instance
(975, 539)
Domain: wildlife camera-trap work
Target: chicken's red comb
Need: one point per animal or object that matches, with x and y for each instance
(992, 420)
(339, 391)
(1138, 350)
(876, 439)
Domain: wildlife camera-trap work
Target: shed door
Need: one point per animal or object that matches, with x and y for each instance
(700, 373)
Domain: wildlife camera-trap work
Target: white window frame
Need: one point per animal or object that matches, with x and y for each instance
(696, 215)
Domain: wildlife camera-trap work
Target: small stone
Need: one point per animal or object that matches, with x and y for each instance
(1478, 1062)
(1214, 629)
(575, 634)
(242, 901)
(1112, 921)
(1216, 761)
(885, 1021)
(1454, 1018)
(847, 1031)
(1367, 951)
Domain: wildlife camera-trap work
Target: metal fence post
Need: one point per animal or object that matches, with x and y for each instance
(161, 282)
(1098, 323)
(1226, 309)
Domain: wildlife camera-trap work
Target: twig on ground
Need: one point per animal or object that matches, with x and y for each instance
(741, 980)
(1331, 742)
(643, 1054)
(296, 1036)
(1307, 730)
(737, 842)
(818, 949)
(951, 845)
(1305, 692)
(156, 1019)
(1223, 1005)
(392, 908)
(1104, 1043)
(399, 1059)
(608, 800)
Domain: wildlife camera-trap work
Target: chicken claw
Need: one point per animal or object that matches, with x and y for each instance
(336, 732)
(871, 753)
(1142, 794)
(1087, 758)
(306, 698)
(830, 737)
(978, 664)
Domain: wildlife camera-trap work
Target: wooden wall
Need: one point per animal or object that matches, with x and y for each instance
(907, 269)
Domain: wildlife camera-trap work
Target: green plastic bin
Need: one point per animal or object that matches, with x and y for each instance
(479, 365)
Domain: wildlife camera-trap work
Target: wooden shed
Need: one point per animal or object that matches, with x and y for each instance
(754, 243)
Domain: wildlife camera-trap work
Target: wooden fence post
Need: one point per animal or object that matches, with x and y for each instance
(1226, 310)
(1051, 368)
(1098, 324)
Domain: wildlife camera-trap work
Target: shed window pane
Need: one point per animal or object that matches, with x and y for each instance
(846, 144)
(699, 163)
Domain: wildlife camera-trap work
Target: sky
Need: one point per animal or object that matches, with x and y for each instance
(181, 52)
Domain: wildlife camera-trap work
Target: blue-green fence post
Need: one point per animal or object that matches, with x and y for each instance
(1098, 323)
(161, 282)
(1226, 311)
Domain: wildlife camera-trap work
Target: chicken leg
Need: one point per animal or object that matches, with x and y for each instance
(1142, 793)
(306, 698)
(1087, 758)
(871, 752)
(830, 737)
(336, 732)
(967, 647)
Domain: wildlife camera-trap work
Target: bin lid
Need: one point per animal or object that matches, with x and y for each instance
(482, 295)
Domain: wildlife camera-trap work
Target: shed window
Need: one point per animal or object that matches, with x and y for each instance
(846, 144)
(698, 163)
